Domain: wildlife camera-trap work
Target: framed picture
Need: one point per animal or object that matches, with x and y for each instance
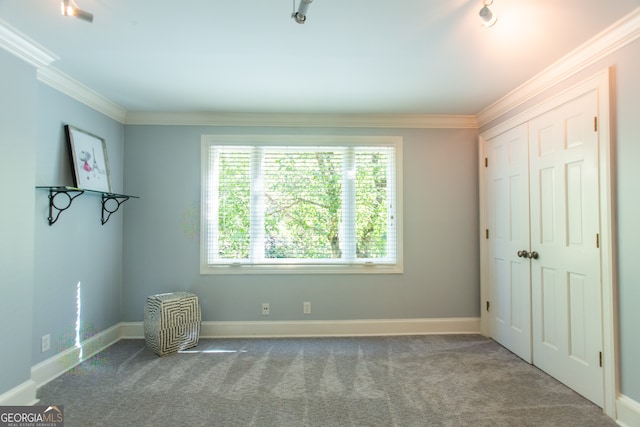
(89, 160)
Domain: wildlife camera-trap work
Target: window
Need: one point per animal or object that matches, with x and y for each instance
(301, 204)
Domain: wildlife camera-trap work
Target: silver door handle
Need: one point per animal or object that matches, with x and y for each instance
(533, 255)
(522, 254)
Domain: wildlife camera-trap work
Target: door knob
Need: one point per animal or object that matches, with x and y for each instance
(533, 255)
(522, 254)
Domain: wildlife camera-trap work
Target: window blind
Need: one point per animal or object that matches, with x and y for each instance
(300, 204)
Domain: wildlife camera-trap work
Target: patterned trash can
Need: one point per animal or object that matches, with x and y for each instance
(171, 322)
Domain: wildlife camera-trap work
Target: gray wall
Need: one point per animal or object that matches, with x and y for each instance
(41, 265)
(77, 248)
(627, 128)
(626, 143)
(161, 244)
(17, 179)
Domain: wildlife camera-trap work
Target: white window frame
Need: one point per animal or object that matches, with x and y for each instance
(305, 266)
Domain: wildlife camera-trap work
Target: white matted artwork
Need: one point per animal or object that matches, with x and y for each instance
(89, 160)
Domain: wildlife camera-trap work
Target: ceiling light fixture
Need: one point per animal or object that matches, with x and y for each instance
(70, 8)
(488, 18)
(301, 15)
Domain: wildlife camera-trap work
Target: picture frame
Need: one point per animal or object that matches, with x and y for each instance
(89, 160)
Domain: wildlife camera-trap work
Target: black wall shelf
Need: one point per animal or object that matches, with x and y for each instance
(66, 195)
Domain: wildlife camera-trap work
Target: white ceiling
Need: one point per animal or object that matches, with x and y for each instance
(351, 56)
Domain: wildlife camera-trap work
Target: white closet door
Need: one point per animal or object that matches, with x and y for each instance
(566, 285)
(508, 215)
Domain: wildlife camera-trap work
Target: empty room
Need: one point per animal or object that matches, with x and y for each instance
(313, 212)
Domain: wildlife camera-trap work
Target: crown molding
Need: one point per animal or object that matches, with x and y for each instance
(31, 52)
(416, 121)
(597, 82)
(76, 90)
(24, 48)
(28, 50)
(608, 41)
(618, 35)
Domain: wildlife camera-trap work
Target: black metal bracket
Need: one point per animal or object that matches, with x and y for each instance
(55, 192)
(108, 210)
(108, 207)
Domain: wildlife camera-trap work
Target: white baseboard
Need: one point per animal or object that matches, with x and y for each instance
(132, 330)
(21, 395)
(628, 411)
(318, 328)
(57, 365)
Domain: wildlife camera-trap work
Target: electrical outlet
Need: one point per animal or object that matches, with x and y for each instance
(306, 307)
(45, 343)
(265, 309)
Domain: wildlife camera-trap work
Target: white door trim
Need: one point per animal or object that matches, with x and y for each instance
(601, 83)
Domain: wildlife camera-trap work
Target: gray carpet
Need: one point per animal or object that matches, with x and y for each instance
(438, 380)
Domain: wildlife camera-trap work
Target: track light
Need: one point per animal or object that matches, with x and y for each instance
(69, 8)
(488, 17)
(301, 15)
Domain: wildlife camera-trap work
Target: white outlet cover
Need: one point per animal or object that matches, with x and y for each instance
(46, 343)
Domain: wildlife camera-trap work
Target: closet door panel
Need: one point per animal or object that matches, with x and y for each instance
(508, 216)
(566, 286)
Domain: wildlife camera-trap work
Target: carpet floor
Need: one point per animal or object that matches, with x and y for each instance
(433, 380)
